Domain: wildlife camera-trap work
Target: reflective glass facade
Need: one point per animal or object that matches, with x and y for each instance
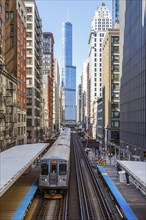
(115, 11)
(68, 74)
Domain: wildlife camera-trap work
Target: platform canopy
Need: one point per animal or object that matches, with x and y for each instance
(136, 169)
(15, 161)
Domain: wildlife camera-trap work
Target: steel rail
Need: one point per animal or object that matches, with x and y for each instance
(86, 178)
(104, 204)
(81, 190)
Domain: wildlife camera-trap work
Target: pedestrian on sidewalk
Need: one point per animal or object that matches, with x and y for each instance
(118, 168)
(127, 177)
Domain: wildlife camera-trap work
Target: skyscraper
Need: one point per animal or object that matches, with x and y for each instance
(115, 11)
(99, 24)
(33, 72)
(133, 79)
(68, 75)
(15, 60)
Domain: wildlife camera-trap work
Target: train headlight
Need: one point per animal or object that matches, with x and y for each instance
(61, 180)
(44, 179)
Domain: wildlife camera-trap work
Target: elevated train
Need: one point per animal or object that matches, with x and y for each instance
(55, 166)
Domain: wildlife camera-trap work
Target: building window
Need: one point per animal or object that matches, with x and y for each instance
(0, 22)
(115, 124)
(7, 14)
(115, 105)
(115, 49)
(29, 112)
(29, 17)
(29, 122)
(19, 118)
(29, 91)
(11, 14)
(29, 9)
(115, 58)
(115, 39)
(29, 101)
(115, 67)
(11, 41)
(29, 26)
(18, 130)
(29, 71)
(116, 77)
(29, 34)
(11, 28)
(115, 85)
(115, 95)
(29, 81)
(29, 51)
(29, 43)
(115, 114)
(29, 61)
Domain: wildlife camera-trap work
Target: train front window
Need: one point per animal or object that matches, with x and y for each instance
(53, 168)
(62, 169)
(44, 169)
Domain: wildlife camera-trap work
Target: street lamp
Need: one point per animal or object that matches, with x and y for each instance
(128, 149)
(110, 154)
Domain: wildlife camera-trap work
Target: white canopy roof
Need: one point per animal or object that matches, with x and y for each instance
(136, 169)
(15, 161)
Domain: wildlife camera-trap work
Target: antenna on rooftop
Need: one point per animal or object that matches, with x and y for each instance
(67, 14)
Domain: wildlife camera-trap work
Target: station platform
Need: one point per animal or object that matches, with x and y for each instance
(136, 171)
(15, 161)
(10, 201)
(132, 195)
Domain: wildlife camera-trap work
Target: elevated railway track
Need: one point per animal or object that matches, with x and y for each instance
(92, 200)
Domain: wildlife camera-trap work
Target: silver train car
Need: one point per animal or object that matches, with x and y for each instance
(55, 166)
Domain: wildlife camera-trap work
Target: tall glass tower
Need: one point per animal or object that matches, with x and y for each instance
(115, 11)
(68, 75)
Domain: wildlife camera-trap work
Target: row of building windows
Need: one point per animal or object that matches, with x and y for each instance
(21, 130)
(9, 14)
(21, 118)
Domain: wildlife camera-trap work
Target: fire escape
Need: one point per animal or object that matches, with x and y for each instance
(8, 117)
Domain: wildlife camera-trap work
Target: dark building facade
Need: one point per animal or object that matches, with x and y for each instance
(133, 79)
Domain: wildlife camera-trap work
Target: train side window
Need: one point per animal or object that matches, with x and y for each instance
(44, 169)
(53, 169)
(62, 169)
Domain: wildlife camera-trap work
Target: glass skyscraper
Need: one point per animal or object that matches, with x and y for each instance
(115, 11)
(68, 75)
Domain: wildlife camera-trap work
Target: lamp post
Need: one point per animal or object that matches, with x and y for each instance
(110, 154)
(128, 149)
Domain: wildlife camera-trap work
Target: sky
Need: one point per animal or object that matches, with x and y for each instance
(80, 14)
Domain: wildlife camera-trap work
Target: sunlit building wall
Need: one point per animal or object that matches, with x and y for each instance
(79, 96)
(34, 73)
(99, 24)
(111, 89)
(56, 90)
(8, 82)
(15, 59)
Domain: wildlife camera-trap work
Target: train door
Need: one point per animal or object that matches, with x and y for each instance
(43, 180)
(53, 173)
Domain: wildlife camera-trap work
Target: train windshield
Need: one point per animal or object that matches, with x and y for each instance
(44, 169)
(62, 169)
